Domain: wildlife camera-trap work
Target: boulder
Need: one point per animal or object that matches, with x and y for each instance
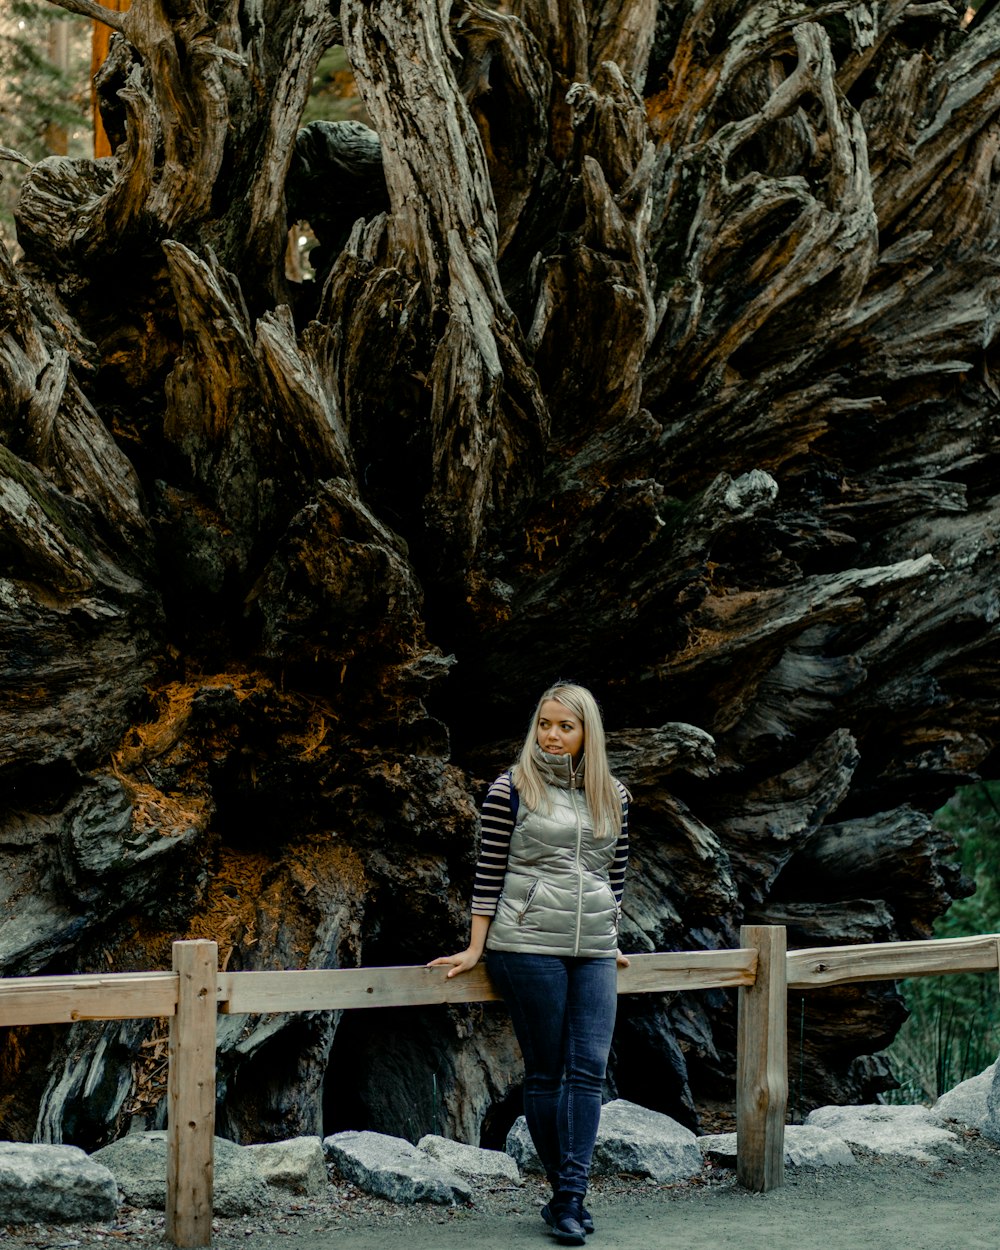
(521, 1148)
(53, 1185)
(393, 1168)
(630, 1139)
(805, 1147)
(139, 1164)
(991, 1127)
(968, 1103)
(488, 1167)
(909, 1131)
(645, 1143)
(296, 1165)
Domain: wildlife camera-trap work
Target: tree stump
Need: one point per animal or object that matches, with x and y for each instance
(650, 346)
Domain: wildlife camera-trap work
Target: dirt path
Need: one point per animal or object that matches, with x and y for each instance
(877, 1205)
(874, 1206)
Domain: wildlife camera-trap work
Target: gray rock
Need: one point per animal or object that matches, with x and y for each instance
(393, 1168)
(296, 1165)
(645, 1143)
(968, 1103)
(630, 1139)
(484, 1166)
(53, 1184)
(991, 1126)
(139, 1164)
(805, 1147)
(909, 1131)
(521, 1148)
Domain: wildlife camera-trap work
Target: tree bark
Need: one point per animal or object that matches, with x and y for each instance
(653, 346)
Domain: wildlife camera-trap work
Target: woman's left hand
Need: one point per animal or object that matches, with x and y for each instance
(621, 960)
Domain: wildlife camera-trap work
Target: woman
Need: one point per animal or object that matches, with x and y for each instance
(546, 906)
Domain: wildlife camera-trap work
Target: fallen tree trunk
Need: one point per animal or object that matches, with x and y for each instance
(650, 345)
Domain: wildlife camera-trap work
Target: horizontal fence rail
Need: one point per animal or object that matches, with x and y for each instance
(64, 1000)
(142, 995)
(195, 990)
(346, 988)
(890, 961)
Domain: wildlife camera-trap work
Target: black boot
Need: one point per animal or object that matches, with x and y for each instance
(586, 1220)
(566, 1212)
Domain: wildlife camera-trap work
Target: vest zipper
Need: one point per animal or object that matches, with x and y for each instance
(527, 902)
(579, 871)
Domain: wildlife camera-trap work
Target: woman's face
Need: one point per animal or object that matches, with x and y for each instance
(559, 731)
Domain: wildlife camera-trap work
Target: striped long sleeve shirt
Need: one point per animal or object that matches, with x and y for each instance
(497, 825)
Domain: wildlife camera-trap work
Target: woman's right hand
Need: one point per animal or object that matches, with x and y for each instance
(462, 962)
(472, 954)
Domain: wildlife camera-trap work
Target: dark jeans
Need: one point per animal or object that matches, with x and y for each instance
(563, 1012)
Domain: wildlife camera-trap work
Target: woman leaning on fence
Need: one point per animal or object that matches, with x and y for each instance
(546, 906)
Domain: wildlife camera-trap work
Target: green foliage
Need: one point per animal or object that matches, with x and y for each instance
(39, 93)
(333, 96)
(45, 104)
(954, 1028)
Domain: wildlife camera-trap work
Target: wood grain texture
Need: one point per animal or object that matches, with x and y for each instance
(62, 1000)
(891, 961)
(347, 988)
(191, 1096)
(762, 1064)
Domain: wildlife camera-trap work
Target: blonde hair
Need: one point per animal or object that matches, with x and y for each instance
(603, 796)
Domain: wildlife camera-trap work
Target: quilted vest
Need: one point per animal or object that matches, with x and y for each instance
(556, 897)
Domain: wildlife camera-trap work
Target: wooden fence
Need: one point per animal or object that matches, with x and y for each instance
(195, 990)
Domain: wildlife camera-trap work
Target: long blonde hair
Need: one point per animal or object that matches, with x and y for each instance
(603, 796)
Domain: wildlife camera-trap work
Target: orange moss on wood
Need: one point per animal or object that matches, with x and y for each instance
(173, 702)
(168, 815)
(149, 1070)
(227, 913)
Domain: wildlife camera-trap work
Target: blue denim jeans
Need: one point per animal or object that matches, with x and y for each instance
(563, 1012)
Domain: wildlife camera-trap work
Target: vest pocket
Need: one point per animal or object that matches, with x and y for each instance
(613, 910)
(522, 911)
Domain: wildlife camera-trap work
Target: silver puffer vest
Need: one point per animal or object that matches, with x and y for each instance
(556, 897)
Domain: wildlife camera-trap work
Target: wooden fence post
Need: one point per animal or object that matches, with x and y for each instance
(762, 1063)
(191, 1095)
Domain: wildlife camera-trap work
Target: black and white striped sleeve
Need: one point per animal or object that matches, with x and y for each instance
(616, 874)
(497, 824)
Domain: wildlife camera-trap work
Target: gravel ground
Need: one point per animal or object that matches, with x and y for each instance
(881, 1204)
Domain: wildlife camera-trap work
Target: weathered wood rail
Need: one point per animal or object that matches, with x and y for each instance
(195, 990)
